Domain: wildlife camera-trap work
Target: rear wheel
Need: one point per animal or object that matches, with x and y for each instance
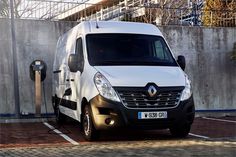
(180, 131)
(89, 131)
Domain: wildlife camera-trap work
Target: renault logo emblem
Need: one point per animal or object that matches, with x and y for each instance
(152, 91)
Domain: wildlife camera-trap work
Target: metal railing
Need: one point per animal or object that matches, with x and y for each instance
(39, 9)
(124, 10)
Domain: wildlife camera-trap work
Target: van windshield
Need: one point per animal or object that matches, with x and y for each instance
(128, 49)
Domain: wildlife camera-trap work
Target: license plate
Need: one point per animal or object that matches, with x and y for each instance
(152, 115)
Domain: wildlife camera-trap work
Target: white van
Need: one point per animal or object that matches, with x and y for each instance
(120, 74)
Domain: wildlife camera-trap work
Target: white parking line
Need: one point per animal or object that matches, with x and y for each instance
(200, 136)
(61, 134)
(221, 120)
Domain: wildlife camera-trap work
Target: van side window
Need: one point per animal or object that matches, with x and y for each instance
(79, 52)
(79, 48)
(161, 50)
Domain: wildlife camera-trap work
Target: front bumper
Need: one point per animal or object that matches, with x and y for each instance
(105, 111)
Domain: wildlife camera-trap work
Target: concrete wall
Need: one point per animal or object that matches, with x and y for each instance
(212, 72)
(6, 71)
(35, 40)
(207, 51)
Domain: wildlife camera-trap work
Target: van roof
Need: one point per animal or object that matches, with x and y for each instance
(93, 27)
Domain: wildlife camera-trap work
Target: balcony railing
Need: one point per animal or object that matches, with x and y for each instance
(125, 10)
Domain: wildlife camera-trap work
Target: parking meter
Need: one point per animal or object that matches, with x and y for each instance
(38, 71)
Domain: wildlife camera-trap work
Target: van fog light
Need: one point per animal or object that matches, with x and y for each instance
(109, 121)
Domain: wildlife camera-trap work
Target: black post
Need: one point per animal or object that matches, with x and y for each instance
(194, 14)
(15, 67)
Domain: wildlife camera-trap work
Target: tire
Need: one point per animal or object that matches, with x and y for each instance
(89, 131)
(180, 131)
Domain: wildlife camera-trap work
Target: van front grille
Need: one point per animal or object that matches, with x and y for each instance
(137, 98)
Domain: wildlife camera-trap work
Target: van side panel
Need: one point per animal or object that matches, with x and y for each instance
(65, 46)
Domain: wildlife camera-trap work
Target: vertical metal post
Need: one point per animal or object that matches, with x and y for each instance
(101, 12)
(38, 94)
(50, 12)
(211, 18)
(15, 67)
(119, 12)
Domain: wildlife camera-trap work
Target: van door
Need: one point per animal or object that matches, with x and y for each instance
(74, 77)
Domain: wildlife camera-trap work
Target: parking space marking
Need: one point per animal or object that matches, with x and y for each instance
(200, 136)
(222, 120)
(61, 134)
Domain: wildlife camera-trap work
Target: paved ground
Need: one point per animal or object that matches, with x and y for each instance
(209, 137)
(175, 148)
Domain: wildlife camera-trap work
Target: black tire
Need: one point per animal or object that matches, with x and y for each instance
(89, 131)
(180, 131)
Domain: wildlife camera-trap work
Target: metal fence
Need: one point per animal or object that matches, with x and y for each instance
(124, 10)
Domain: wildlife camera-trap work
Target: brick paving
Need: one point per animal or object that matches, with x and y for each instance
(35, 139)
(170, 148)
(25, 134)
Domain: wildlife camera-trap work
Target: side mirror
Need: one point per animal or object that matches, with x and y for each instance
(181, 62)
(73, 62)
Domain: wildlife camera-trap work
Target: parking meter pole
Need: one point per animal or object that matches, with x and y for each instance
(38, 94)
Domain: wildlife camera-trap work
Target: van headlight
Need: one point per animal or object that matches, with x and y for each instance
(187, 92)
(104, 87)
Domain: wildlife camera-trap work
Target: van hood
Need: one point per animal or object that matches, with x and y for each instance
(140, 76)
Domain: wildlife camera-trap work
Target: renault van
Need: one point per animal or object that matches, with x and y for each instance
(110, 75)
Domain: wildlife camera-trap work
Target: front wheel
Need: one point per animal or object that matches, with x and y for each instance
(89, 131)
(180, 131)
